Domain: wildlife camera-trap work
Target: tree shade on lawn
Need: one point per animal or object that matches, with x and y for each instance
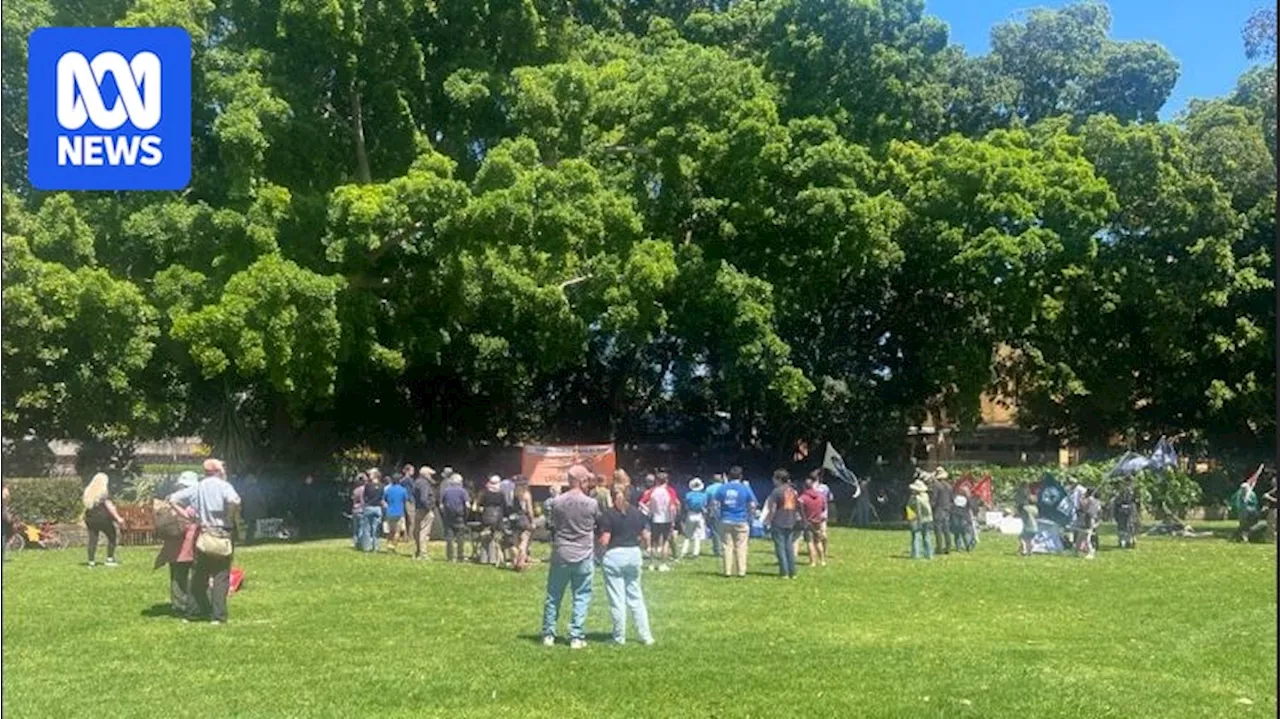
(1178, 628)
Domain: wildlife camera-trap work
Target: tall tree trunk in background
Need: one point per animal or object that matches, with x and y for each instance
(363, 176)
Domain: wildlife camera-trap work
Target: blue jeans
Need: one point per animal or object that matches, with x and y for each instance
(563, 574)
(357, 523)
(785, 549)
(623, 568)
(369, 528)
(921, 535)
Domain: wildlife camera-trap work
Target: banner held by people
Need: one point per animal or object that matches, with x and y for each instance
(545, 465)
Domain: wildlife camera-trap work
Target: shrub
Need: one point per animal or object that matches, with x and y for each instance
(56, 499)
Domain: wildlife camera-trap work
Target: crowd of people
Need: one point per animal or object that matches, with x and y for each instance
(613, 524)
(614, 527)
(493, 523)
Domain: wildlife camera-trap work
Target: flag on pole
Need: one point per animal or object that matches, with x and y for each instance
(1130, 463)
(1253, 478)
(834, 463)
(1163, 457)
(964, 485)
(982, 490)
(1053, 501)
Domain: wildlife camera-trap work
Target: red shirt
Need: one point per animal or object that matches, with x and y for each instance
(813, 505)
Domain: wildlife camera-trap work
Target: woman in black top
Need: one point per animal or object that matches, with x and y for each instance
(623, 530)
(492, 510)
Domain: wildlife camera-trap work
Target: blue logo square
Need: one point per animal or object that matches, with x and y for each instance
(109, 108)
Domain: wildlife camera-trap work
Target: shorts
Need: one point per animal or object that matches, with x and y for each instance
(661, 531)
(393, 524)
(816, 531)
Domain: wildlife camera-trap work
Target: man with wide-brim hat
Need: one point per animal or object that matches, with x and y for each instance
(920, 519)
(695, 518)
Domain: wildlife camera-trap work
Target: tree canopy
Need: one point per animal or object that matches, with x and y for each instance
(414, 223)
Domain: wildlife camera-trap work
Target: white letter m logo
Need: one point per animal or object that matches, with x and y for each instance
(138, 81)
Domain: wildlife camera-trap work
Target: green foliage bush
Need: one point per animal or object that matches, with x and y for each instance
(53, 498)
(1171, 493)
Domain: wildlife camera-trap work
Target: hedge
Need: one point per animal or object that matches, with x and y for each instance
(56, 499)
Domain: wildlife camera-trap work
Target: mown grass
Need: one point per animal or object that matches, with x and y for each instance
(1178, 628)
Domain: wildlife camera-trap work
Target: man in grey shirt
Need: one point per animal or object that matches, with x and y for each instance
(215, 502)
(574, 515)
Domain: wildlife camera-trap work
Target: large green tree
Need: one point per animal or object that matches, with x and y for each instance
(457, 223)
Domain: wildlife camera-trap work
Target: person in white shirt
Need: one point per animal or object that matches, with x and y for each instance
(662, 505)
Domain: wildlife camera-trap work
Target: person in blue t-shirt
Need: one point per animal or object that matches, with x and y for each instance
(737, 503)
(695, 519)
(396, 497)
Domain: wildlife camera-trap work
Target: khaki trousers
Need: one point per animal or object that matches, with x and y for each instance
(422, 531)
(735, 536)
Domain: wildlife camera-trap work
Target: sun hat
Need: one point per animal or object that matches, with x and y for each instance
(695, 484)
(941, 473)
(918, 487)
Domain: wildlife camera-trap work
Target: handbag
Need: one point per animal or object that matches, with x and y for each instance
(214, 541)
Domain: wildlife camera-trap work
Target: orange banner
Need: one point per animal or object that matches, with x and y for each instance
(546, 465)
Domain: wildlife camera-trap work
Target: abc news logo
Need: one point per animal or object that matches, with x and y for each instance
(79, 94)
(109, 108)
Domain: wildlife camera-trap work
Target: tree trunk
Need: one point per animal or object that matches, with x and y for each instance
(363, 176)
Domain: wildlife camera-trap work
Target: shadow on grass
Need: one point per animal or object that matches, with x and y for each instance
(159, 610)
(592, 638)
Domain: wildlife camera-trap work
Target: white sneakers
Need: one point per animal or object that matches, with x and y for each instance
(550, 641)
(663, 568)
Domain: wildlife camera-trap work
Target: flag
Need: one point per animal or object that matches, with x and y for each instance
(1130, 463)
(1253, 478)
(982, 490)
(1054, 502)
(834, 464)
(964, 485)
(1163, 457)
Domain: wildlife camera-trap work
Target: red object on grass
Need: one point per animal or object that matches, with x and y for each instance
(237, 576)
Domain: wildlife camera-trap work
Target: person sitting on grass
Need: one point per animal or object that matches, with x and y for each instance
(101, 517)
(622, 528)
(920, 518)
(574, 515)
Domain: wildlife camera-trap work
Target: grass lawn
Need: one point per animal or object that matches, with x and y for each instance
(1178, 628)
